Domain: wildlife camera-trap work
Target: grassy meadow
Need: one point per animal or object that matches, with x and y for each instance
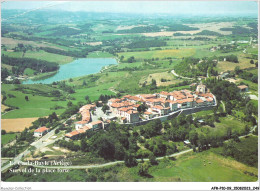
(8, 137)
(37, 106)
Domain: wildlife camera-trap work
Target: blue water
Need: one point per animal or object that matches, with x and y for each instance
(79, 67)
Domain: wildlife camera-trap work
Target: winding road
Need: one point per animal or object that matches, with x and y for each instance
(118, 162)
(174, 73)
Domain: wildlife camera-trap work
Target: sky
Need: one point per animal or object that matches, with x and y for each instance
(145, 7)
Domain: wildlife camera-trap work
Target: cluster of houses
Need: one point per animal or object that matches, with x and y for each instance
(86, 123)
(159, 104)
(126, 108)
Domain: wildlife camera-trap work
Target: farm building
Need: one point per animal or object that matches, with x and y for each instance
(243, 88)
(41, 131)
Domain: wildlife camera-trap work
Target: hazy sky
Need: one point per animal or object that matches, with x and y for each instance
(172, 7)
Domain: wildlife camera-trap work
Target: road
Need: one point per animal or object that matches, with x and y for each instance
(106, 164)
(174, 73)
(40, 143)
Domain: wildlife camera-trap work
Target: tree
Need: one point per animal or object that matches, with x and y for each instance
(166, 125)
(193, 137)
(143, 168)
(3, 132)
(57, 131)
(237, 70)
(153, 82)
(235, 137)
(69, 104)
(152, 159)
(105, 107)
(83, 145)
(130, 160)
(86, 97)
(229, 132)
(26, 98)
(247, 129)
(131, 59)
(141, 108)
(4, 73)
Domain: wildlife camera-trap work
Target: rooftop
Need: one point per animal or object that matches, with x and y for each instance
(41, 129)
(242, 87)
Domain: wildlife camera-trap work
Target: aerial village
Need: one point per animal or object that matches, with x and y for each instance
(125, 109)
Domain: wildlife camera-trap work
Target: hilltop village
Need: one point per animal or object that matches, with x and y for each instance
(143, 107)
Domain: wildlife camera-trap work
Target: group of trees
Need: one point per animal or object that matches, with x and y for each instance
(141, 29)
(146, 44)
(73, 109)
(237, 30)
(131, 59)
(73, 53)
(246, 75)
(192, 67)
(245, 152)
(105, 98)
(223, 90)
(208, 33)
(45, 121)
(229, 58)
(20, 64)
(180, 27)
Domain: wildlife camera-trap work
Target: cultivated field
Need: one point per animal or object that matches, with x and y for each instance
(42, 55)
(169, 77)
(243, 64)
(11, 43)
(169, 33)
(16, 125)
(176, 53)
(214, 26)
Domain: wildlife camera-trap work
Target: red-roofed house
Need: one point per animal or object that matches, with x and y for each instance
(132, 116)
(164, 94)
(173, 105)
(80, 124)
(199, 102)
(73, 134)
(160, 109)
(243, 88)
(41, 131)
(148, 115)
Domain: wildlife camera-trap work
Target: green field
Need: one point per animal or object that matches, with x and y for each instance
(29, 72)
(93, 92)
(37, 106)
(8, 137)
(225, 123)
(100, 55)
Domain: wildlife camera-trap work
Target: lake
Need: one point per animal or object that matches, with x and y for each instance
(77, 68)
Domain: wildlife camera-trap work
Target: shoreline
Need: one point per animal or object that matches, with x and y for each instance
(49, 75)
